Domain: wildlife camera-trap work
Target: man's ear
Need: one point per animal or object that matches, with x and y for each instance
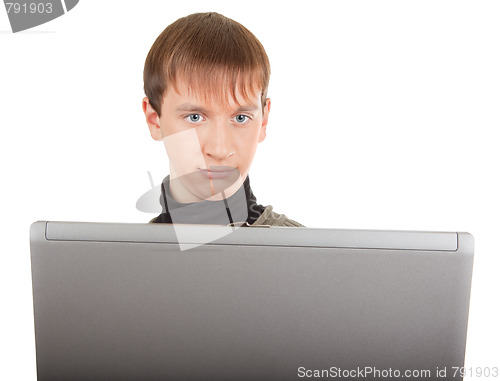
(265, 118)
(152, 119)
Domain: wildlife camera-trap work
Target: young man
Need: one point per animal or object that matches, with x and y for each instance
(206, 79)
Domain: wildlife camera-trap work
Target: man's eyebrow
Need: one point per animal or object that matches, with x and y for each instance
(189, 107)
(248, 108)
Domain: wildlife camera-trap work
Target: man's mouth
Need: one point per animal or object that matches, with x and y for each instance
(216, 172)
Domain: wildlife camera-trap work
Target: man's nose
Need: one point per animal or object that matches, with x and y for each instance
(219, 141)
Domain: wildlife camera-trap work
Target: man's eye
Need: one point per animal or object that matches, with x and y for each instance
(241, 118)
(194, 118)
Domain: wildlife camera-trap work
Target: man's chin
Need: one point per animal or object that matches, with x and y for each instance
(210, 186)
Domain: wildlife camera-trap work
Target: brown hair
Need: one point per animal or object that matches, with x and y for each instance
(211, 53)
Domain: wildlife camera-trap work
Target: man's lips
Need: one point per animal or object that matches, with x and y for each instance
(216, 172)
(217, 169)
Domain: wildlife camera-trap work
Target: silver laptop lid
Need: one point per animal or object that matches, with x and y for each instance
(125, 302)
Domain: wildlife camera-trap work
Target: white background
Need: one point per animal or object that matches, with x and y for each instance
(385, 115)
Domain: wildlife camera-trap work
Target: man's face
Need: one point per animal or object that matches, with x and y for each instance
(210, 146)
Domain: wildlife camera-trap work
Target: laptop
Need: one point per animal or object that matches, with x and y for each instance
(116, 301)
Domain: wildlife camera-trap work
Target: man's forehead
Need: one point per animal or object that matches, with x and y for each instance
(188, 98)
